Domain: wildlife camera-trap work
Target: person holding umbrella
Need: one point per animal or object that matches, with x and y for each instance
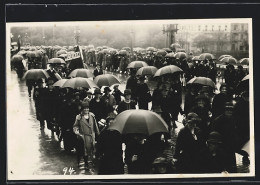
(109, 100)
(143, 94)
(86, 128)
(98, 70)
(127, 103)
(97, 106)
(38, 93)
(131, 83)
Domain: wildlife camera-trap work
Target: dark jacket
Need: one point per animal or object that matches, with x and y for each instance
(109, 149)
(131, 83)
(96, 72)
(227, 128)
(187, 151)
(98, 109)
(125, 106)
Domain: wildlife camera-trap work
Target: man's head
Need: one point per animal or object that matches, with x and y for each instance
(192, 120)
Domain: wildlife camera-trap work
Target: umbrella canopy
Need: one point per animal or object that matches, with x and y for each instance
(147, 70)
(139, 122)
(38, 53)
(122, 52)
(245, 78)
(62, 56)
(243, 85)
(175, 45)
(161, 52)
(244, 61)
(106, 80)
(207, 56)
(170, 69)
(168, 50)
(137, 64)
(60, 83)
(85, 73)
(35, 74)
(126, 48)
(56, 61)
(106, 51)
(203, 81)
(170, 55)
(79, 82)
(229, 60)
(222, 56)
(16, 58)
(61, 52)
(196, 58)
(151, 49)
(181, 55)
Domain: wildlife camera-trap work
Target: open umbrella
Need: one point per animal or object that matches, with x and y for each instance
(203, 81)
(122, 52)
(61, 52)
(243, 85)
(170, 55)
(126, 48)
(222, 56)
(16, 58)
(63, 56)
(35, 74)
(168, 50)
(60, 83)
(180, 50)
(244, 61)
(161, 52)
(106, 80)
(137, 64)
(195, 58)
(79, 82)
(180, 55)
(229, 60)
(175, 45)
(139, 122)
(151, 49)
(170, 69)
(147, 70)
(85, 73)
(207, 56)
(38, 54)
(56, 61)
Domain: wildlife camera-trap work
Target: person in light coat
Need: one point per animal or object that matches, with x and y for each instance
(86, 128)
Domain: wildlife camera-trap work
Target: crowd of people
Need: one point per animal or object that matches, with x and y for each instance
(215, 126)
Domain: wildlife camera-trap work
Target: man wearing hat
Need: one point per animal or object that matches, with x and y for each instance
(131, 83)
(37, 96)
(52, 73)
(188, 146)
(127, 103)
(98, 71)
(117, 94)
(143, 94)
(109, 100)
(89, 97)
(97, 106)
(226, 126)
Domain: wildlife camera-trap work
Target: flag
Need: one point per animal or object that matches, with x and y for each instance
(75, 59)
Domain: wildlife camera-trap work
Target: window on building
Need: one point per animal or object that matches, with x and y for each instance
(233, 47)
(212, 27)
(241, 48)
(235, 27)
(199, 28)
(242, 36)
(242, 27)
(225, 27)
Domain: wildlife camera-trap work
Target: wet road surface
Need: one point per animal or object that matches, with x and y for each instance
(32, 151)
